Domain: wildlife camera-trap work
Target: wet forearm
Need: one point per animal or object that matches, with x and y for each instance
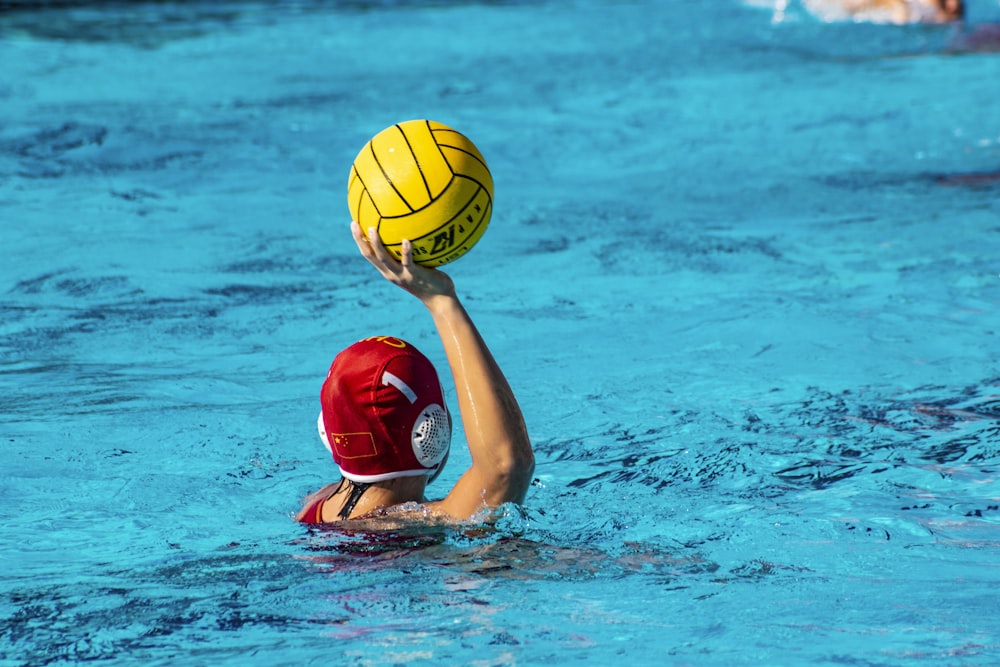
(494, 426)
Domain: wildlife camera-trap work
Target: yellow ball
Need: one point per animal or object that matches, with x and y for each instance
(423, 181)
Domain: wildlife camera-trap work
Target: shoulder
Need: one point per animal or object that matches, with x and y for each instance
(426, 512)
(312, 506)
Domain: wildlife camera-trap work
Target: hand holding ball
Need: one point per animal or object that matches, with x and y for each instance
(423, 181)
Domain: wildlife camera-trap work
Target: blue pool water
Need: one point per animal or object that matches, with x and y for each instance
(743, 275)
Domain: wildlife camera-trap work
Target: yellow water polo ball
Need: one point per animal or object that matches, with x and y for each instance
(423, 181)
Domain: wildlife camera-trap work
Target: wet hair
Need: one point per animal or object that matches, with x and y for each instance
(356, 490)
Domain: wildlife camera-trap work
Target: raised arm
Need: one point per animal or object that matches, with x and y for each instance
(502, 459)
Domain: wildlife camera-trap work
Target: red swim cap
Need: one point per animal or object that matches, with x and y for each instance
(383, 412)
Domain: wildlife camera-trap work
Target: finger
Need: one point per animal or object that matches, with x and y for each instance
(364, 247)
(379, 250)
(373, 242)
(407, 252)
(356, 232)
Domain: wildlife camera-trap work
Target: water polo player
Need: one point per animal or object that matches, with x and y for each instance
(888, 11)
(385, 422)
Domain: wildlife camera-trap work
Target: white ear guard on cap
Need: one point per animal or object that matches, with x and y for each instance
(431, 435)
(322, 432)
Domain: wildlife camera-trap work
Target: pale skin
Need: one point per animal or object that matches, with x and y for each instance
(495, 432)
(903, 11)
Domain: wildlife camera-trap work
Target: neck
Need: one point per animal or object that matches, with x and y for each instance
(378, 495)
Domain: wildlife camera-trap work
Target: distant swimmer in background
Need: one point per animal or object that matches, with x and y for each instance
(887, 11)
(385, 422)
(969, 38)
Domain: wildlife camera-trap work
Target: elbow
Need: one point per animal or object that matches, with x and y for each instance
(520, 468)
(515, 474)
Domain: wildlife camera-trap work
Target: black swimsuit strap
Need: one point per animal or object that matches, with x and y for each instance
(356, 491)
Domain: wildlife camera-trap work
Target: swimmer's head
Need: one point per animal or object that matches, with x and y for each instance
(383, 412)
(953, 9)
(948, 10)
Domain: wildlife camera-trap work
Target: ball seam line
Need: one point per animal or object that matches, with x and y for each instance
(385, 175)
(416, 160)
